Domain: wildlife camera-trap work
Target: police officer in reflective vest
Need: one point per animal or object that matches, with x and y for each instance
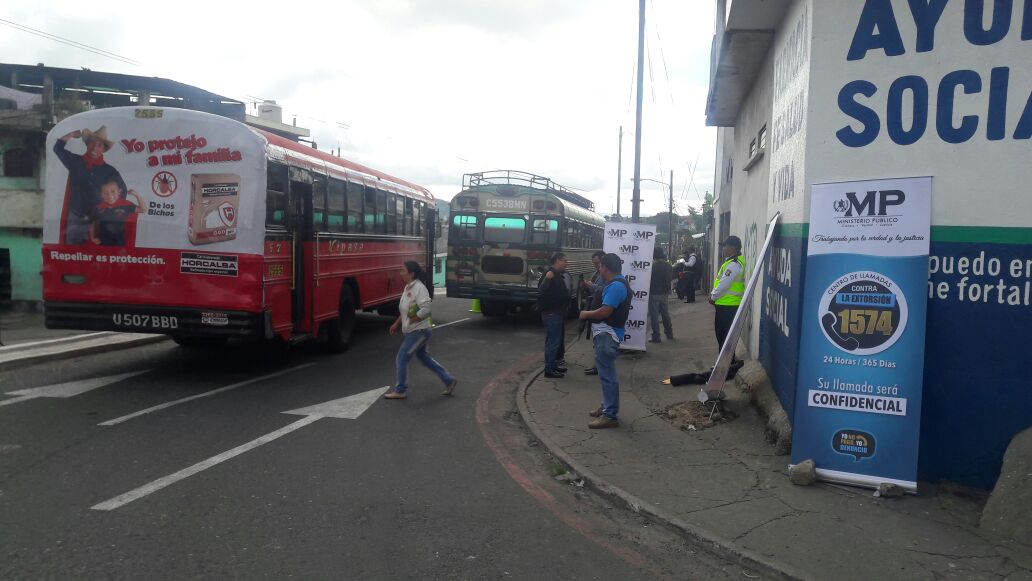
(728, 288)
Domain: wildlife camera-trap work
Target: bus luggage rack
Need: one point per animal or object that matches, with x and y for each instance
(506, 177)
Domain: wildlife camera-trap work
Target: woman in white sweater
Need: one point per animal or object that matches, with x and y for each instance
(414, 322)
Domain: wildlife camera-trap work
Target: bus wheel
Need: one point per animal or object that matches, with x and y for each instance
(338, 332)
(493, 308)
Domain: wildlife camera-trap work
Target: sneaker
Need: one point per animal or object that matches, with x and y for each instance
(450, 388)
(603, 423)
(395, 395)
(669, 337)
(655, 340)
(596, 413)
(554, 375)
(591, 371)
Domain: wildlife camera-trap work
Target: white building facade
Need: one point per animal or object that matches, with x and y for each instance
(818, 91)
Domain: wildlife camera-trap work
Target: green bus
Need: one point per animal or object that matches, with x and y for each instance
(504, 227)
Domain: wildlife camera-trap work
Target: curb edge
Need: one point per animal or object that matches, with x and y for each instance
(30, 359)
(705, 539)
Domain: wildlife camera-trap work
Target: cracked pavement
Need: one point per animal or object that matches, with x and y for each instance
(728, 483)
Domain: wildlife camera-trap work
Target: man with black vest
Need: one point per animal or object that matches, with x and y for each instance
(554, 302)
(610, 307)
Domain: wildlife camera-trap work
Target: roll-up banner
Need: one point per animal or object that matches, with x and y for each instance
(634, 244)
(861, 356)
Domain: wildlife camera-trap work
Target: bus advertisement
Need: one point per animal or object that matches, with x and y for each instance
(504, 227)
(172, 221)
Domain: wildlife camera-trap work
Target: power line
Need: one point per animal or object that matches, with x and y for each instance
(662, 53)
(72, 43)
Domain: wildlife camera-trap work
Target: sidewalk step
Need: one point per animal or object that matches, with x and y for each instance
(24, 354)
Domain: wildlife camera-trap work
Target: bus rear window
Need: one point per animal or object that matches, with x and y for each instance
(545, 231)
(463, 229)
(505, 230)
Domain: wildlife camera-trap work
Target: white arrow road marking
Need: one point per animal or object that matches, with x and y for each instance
(350, 407)
(345, 408)
(68, 389)
(176, 402)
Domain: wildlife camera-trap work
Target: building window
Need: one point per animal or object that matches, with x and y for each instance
(762, 137)
(752, 148)
(19, 163)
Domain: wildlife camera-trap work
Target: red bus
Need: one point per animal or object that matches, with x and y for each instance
(161, 220)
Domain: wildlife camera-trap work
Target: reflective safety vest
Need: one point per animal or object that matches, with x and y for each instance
(733, 296)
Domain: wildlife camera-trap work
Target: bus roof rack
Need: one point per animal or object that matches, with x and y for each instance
(526, 179)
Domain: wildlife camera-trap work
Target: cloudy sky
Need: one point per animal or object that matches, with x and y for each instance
(429, 89)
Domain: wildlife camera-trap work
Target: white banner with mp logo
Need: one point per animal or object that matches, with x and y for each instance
(634, 244)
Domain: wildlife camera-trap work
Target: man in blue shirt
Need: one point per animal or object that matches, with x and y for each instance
(609, 309)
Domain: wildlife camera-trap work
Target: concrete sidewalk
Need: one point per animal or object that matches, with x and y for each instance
(26, 341)
(725, 486)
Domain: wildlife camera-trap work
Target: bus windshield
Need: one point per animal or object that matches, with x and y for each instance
(505, 229)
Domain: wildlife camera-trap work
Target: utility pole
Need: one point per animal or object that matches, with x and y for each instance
(670, 218)
(619, 168)
(636, 200)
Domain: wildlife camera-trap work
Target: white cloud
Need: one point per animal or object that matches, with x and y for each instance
(533, 85)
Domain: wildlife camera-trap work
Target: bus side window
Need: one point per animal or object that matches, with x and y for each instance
(369, 217)
(381, 211)
(336, 207)
(319, 203)
(417, 217)
(276, 196)
(404, 217)
(392, 214)
(354, 220)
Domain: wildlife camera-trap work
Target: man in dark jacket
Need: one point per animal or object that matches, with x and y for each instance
(659, 293)
(554, 302)
(86, 173)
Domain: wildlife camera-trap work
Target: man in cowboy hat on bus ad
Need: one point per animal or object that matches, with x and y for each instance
(86, 174)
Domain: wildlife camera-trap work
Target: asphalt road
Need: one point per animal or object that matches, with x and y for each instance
(432, 487)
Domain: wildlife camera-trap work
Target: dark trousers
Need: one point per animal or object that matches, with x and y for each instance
(722, 319)
(689, 287)
(554, 323)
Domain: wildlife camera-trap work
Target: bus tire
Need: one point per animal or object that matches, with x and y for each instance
(339, 330)
(493, 308)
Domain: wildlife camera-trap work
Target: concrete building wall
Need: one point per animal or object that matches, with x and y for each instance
(749, 186)
(865, 90)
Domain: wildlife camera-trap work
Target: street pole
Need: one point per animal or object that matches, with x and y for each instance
(636, 200)
(670, 217)
(619, 168)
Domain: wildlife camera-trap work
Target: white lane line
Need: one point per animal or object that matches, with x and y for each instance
(350, 408)
(160, 483)
(169, 404)
(451, 323)
(18, 399)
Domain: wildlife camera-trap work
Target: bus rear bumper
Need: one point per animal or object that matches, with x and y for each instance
(173, 321)
(506, 294)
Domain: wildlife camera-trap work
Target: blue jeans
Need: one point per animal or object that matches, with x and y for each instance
(554, 328)
(606, 350)
(415, 343)
(657, 308)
